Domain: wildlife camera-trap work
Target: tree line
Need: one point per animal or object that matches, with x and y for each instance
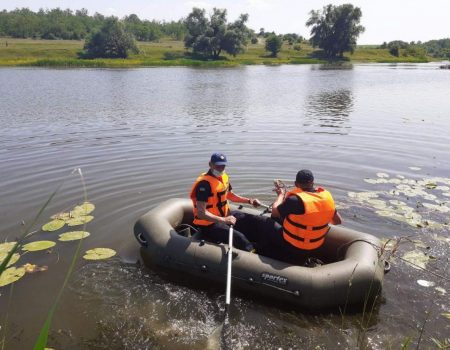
(334, 30)
(435, 48)
(76, 25)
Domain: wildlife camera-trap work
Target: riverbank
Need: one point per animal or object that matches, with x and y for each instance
(63, 53)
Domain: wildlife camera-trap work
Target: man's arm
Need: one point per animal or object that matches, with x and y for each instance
(204, 214)
(238, 199)
(337, 218)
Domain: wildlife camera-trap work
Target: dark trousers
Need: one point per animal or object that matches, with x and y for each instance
(245, 231)
(272, 244)
(218, 233)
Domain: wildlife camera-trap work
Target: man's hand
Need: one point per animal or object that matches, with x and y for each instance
(255, 202)
(229, 220)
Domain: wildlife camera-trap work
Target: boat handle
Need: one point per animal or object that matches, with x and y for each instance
(141, 239)
(387, 266)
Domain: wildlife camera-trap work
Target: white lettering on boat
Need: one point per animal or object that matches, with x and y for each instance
(268, 277)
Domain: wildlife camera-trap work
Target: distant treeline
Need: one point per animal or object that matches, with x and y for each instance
(69, 25)
(435, 48)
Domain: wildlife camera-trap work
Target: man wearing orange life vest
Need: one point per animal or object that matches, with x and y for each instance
(210, 194)
(305, 214)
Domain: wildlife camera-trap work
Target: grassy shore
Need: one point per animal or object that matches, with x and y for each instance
(63, 53)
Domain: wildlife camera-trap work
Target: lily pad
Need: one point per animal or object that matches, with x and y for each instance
(53, 225)
(441, 290)
(416, 259)
(61, 216)
(424, 283)
(83, 209)
(383, 175)
(73, 236)
(371, 181)
(11, 275)
(6, 247)
(38, 245)
(80, 220)
(99, 254)
(13, 259)
(32, 268)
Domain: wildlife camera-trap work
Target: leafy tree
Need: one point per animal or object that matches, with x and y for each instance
(394, 50)
(209, 37)
(273, 44)
(111, 41)
(335, 29)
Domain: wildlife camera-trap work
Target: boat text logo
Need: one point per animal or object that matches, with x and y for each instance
(268, 277)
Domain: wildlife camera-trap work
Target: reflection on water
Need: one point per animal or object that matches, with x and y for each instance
(215, 98)
(328, 112)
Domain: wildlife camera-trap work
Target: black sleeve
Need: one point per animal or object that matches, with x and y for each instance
(203, 191)
(292, 205)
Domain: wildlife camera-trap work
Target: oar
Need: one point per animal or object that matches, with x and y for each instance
(230, 258)
(218, 339)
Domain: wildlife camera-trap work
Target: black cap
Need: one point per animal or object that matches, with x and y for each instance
(218, 159)
(304, 176)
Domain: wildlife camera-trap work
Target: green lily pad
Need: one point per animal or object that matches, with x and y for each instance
(61, 216)
(73, 236)
(99, 254)
(11, 275)
(38, 245)
(53, 225)
(13, 259)
(416, 259)
(83, 209)
(6, 247)
(80, 220)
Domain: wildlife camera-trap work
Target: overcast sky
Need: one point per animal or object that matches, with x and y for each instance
(384, 20)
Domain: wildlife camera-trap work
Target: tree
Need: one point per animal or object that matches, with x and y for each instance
(209, 37)
(335, 29)
(111, 41)
(273, 44)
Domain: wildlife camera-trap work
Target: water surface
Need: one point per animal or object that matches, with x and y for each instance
(141, 136)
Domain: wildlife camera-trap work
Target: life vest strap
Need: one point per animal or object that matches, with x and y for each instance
(308, 228)
(302, 239)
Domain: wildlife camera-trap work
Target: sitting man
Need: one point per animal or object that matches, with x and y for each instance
(210, 194)
(305, 214)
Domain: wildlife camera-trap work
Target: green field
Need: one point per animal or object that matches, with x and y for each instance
(63, 53)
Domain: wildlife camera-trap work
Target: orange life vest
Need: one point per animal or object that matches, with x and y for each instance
(217, 203)
(307, 231)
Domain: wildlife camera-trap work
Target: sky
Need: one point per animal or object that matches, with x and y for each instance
(384, 20)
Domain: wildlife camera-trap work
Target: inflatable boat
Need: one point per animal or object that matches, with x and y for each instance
(353, 276)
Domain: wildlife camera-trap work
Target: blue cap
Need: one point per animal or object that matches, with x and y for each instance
(219, 159)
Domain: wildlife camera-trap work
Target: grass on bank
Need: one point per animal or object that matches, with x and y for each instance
(63, 53)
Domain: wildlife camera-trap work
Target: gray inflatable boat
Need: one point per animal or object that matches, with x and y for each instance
(354, 276)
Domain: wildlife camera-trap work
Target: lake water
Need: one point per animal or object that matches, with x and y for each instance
(141, 136)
